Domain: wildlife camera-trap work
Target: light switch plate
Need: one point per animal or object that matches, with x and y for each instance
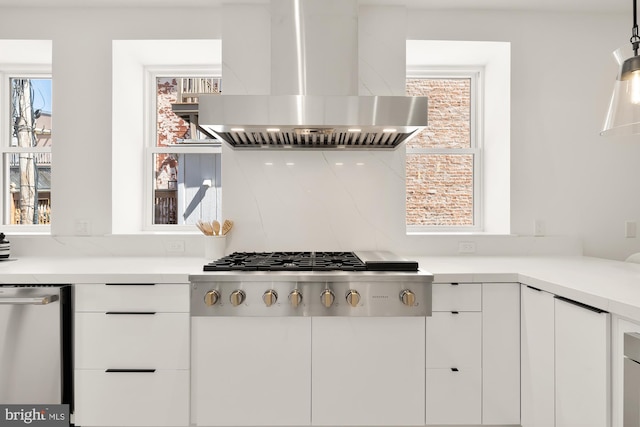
(630, 229)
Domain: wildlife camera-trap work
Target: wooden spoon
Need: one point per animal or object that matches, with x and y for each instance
(205, 227)
(226, 226)
(215, 227)
(208, 229)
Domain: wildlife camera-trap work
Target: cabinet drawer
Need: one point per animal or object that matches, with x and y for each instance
(158, 398)
(125, 340)
(457, 297)
(132, 297)
(454, 340)
(454, 397)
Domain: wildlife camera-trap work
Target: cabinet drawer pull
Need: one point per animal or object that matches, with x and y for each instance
(132, 312)
(454, 312)
(130, 284)
(455, 284)
(579, 304)
(129, 371)
(535, 289)
(454, 369)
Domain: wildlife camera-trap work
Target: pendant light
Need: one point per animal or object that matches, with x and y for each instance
(623, 117)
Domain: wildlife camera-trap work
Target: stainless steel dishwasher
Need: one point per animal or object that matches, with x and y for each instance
(631, 379)
(35, 344)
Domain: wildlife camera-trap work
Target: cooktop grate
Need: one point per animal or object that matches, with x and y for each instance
(287, 261)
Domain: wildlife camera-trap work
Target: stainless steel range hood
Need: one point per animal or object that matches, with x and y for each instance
(312, 121)
(314, 87)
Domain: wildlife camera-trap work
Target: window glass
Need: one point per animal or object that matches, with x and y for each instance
(186, 187)
(440, 189)
(28, 156)
(449, 112)
(186, 178)
(442, 161)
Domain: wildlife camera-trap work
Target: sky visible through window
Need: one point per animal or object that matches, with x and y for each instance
(41, 94)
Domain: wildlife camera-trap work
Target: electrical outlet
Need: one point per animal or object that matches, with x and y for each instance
(466, 247)
(539, 228)
(175, 246)
(630, 229)
(83, 227)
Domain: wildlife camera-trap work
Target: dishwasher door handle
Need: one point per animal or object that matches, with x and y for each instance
(43, 300)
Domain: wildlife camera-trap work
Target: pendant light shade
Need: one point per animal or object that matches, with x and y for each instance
(623, 117)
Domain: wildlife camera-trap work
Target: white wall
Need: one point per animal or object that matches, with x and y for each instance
(582, 185)
(562, 171)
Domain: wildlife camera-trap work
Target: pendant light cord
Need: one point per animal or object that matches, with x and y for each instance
(635, 38)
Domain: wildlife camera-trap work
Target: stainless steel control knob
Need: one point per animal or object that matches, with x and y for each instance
(408, 298)
(237, 297)
(353, 298)
(295, 298)
(327, 297)
(211, 298)
(270, 297)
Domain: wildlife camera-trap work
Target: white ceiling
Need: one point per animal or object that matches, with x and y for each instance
(533, 5)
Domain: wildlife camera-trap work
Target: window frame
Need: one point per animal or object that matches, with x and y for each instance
(8, 72)
(475, 74)
(152, 73)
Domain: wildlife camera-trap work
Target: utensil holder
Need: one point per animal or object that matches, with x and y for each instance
(214, 247)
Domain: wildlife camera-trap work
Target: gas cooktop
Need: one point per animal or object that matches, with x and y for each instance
(311, 261)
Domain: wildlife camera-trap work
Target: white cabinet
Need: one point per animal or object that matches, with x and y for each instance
(368, 371)
(537, 354)
(131, 355)
(565, 362)
(454, 368)
(453, 396)
(132, 340)
(143, 297)
(472, 356)
(131, 398)
(500, 353)
(251, 371)
(456, 297)
(454, 340)
(454, 355)
(581, 365)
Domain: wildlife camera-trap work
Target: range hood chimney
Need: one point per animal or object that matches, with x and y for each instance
(314, 100)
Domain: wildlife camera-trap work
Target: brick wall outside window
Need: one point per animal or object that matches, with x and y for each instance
(440, 186)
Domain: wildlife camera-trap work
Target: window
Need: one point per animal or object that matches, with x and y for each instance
(136, 66)
(26, 149)
(443, 164)
(183, 163)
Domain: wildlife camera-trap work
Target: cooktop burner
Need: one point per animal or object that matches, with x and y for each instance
(287, 261)
(311, 261)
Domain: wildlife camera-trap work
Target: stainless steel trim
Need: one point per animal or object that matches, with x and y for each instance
(312, 121)
(379, 298)
(43, 300)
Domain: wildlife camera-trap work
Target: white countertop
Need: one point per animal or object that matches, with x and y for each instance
(99, 270)
(610, 285)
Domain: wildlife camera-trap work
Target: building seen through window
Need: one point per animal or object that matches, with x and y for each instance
(186, 173)
(442, 161)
